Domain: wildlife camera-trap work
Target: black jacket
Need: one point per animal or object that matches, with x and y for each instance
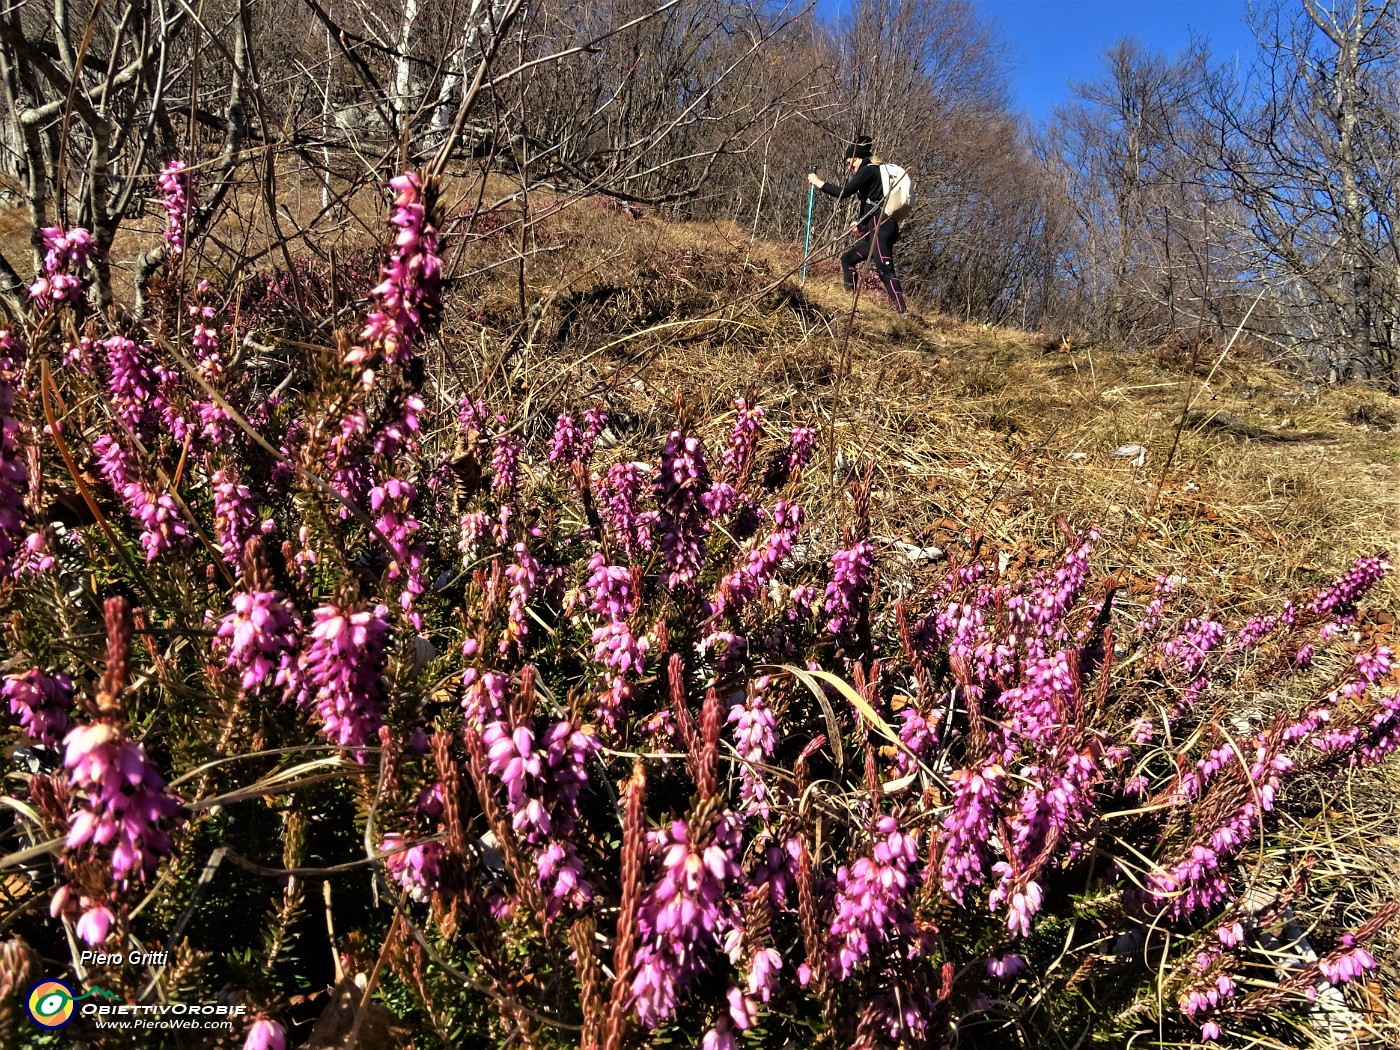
(865, 184)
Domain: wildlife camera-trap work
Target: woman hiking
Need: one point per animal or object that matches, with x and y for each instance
(874, 228)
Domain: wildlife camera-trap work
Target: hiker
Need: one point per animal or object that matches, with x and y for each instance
(874, 227)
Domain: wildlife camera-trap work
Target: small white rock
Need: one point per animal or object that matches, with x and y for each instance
(1138, 452)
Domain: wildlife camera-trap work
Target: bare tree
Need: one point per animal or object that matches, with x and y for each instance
(1309, 143)
(1123, 145)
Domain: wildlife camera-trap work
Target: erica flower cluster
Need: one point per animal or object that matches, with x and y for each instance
(572, 444)
(849, 588)
(682, 523)
(542, 790)
(133, 385)
(175, 186)
(125, 805)
(621, 507)
(342, 672)
(392, 503)
(41, 702)
(14, 477)
(762, 562)
(612, 594)
(417, 868)
(684, 914)
(259, 639)
(1341, 598)
(163, 526)
(969, 827)
(871, 904)
(408, 297)
(66, 256)
(235, 516)
(755, 738)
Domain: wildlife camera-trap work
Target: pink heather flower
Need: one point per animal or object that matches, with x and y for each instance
(803, 441)
(564, 446)
(721, 1037)
(67, 255)
(917, 735)
(259, 639)
(1210, 1031)
(1341, 598)
(392, 500)
(133, 384)
(523, 577)
(235, 516)
(407, 300)
(871, 894)
(1187, 652)
(612, 593)
(684, 914)
(265, 1034)
(620, 507)
(542, 787)
(1197, 878)
(475, 530)
(849, 588)
(720, 499)
(125, 804)
(175, 184)
(163, 527)
(1255, 630)
(1023, 900)
(1152, 615)
(969, 826)
(343, 672)
(763, 973)
(1231, 934)
(400, 426)
(42, 702)
(14, 475)
(681, 524)
(755, 738)
(738, 456)
(1005, 967)
(1037, 615)
(485, 697)
(595, 419)
(762, 562)
(347, 463)
(94, 923)
(417, 869)
(1347, 964)
(505, 465)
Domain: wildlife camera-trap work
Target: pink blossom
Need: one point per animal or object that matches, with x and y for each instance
(125, 805)
(42, 702)
(175, 185)
(265, 1034)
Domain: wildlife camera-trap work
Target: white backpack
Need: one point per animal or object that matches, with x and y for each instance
(899, 190)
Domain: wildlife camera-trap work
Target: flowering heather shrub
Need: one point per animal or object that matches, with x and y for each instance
(582, 750)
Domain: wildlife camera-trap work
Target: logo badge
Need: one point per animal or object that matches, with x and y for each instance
(50, 1004)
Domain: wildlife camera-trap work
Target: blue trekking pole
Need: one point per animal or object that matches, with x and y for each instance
(807, 243)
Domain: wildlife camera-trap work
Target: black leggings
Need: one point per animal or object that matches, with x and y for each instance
(884, 232)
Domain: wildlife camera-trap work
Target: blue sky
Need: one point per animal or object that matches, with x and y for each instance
(1051, 42)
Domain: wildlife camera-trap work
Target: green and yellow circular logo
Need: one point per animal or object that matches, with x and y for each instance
(50, 1004)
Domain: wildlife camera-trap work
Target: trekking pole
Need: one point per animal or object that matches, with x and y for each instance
(807, 242)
